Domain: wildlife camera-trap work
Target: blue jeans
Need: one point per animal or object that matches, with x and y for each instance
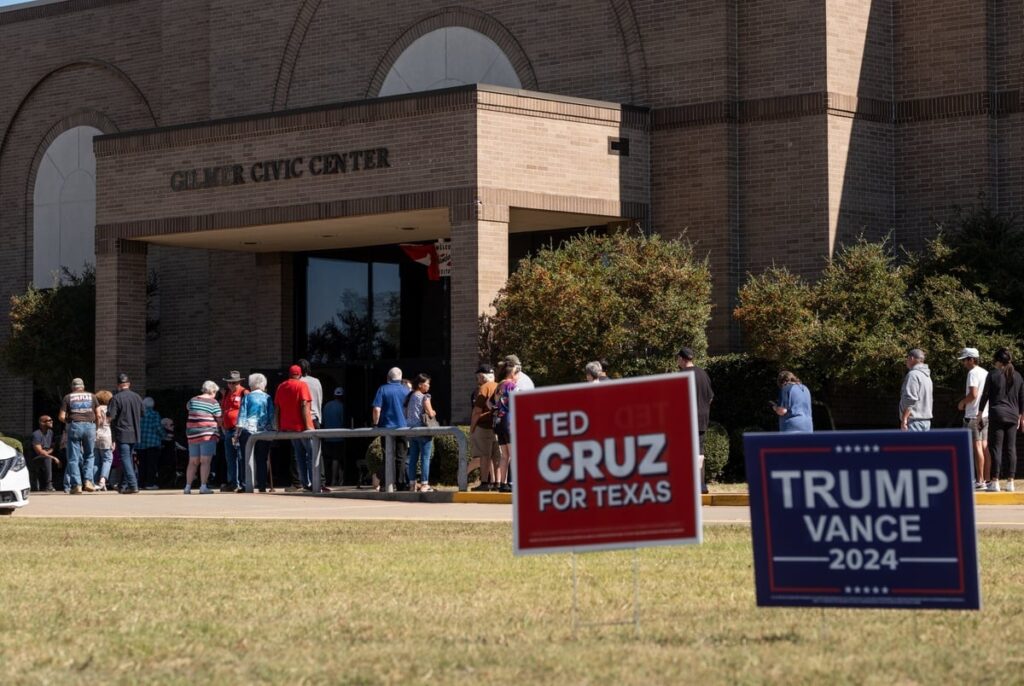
(128, 481)
(102, 470)
(303, 449)
(419, 448)
(81, 444)
(919, 424)
(233, 459)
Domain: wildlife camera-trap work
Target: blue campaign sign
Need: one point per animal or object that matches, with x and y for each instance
(863, 519)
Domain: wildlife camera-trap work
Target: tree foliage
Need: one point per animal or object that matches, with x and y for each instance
(52, 338)
(626, 298)
(857, 321)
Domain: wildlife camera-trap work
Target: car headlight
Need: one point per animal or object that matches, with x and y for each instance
(19, 463)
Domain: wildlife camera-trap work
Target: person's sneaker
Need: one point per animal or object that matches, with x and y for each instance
(325, 489)
(188, 490)
(50, 489)
(484, 486)
(152, 487)
(426, 488)
(75, 490)
(505, 488)
(1010, 487)
(979, 485)
(226, 488)
(205, 490)
(240, 489)
(993, 486)
(88, 487)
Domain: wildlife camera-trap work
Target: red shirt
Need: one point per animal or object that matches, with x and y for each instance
(288, 400)
(230, 404)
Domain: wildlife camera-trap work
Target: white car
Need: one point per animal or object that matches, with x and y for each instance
(14, 480)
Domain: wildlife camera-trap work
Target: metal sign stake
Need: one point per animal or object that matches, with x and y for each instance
(635, 620)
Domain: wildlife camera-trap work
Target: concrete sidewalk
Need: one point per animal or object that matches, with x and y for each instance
(174, 504)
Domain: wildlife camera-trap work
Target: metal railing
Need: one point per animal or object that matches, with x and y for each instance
(389, 436)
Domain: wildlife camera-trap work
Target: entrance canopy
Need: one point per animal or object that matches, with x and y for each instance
(470, 164)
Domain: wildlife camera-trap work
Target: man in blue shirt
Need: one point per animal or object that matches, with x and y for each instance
(389, 413)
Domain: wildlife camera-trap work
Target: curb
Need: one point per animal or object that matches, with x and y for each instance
(485, 498)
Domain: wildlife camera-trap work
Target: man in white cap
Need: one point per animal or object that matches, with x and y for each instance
(976, 375)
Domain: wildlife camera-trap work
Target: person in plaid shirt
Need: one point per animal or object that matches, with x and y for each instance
(150, 439)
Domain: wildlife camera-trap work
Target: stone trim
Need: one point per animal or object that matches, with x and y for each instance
(996, 104)
(456, 16)
(118, 246)
(52, 9)
(464, 203)
(461, 98)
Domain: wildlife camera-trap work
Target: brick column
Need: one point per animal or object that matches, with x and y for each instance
(479, 270)
(120, 312)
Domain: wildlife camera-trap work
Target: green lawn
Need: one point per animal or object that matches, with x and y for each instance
(170, 601)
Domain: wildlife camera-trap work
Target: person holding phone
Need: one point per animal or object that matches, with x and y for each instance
(794, 404)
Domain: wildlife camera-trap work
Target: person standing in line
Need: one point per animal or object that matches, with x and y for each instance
(256, 414)
(593, 372)
(523, 381)
(150, 437)
(292, 413)
(203, 431)
(1004, 392)
(501, 406)
(230, 403)
(43, 457)
(104, 442)
(794, 404)
(482, 443)
(78, 413)
(417, 410)
(916, 394)
(316, 402)
(388, 412)
(334, 448)
(976, 375)
(705, 396)
(125, 414)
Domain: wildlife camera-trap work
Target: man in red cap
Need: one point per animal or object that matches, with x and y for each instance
(292, 404)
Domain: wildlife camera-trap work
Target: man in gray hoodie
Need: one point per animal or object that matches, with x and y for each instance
(916, 394)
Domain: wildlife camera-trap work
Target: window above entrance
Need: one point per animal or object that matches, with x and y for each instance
(446, 57)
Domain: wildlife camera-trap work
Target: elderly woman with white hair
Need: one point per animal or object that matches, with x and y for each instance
(256, 414)
(202, 431)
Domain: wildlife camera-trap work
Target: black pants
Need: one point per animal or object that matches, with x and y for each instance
(1002, 439)
(401, 457)
(42, 472)
(149, 458)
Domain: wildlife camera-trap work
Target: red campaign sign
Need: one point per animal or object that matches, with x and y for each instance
(606, 465)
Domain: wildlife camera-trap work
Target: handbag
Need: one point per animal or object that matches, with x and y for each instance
(430, 422)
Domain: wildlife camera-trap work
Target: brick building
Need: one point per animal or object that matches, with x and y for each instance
(258, 161)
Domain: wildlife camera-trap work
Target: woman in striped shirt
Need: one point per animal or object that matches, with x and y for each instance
(202, 431)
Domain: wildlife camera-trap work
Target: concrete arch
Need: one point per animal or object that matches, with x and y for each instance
(467, 18)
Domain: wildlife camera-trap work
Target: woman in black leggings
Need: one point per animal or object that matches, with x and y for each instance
(1004, 395)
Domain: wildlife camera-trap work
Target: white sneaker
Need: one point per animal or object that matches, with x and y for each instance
(993, 486)
(1009, 486)
(205, 490)
(979, 485)
(188, 489)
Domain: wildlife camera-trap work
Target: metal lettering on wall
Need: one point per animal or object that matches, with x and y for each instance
(280, 170)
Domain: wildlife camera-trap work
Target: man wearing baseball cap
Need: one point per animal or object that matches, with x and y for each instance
(483, 444)
(976, 375)
(292, 403)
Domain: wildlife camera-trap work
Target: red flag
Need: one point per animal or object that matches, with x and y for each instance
(425, 255)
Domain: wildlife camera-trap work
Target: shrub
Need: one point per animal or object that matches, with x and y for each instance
(716, 452)
(626, 298)
(444, 465)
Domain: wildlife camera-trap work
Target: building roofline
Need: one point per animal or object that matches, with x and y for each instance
(339, 106)
(41, 9)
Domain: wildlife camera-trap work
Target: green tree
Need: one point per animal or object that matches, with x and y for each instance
(52, 338)
(627, 298)
(863, 313)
